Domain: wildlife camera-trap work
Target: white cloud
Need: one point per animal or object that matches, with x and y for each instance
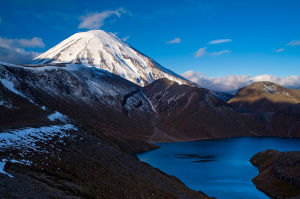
(96, 20)
(174, 41)
(125, 38)
(16, 55)
(25, 43)
(232, 83)
(200, 52)
(12, 50)
(32, 43)
(220, 52)
(294, 43)
(220, 41)
(279, 50)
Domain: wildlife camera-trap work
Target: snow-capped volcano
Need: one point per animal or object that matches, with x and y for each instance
(97, 48)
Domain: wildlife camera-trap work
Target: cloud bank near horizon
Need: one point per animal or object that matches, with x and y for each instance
(12, 50)
(232, 83)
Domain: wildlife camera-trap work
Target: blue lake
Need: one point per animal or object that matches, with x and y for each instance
(219, 168)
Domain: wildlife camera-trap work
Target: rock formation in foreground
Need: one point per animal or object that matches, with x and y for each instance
(279, 173)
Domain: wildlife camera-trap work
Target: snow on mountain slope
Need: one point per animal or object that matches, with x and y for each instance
(265, 97)
(89, 95)
(99, 49)
(72, 82)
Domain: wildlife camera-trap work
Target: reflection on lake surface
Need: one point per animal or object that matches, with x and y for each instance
(219, 168)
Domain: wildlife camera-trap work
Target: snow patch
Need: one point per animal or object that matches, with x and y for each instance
(152, 107)
(26, 138)
(175, 98)
(10, 86)
(270, 89)
(2, 165)
(208, 98)
(3, 162)
(190, 99)
(5, 104)
(57, 116)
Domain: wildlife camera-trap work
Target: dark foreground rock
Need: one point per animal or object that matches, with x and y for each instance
(88, 167)
(279, 173)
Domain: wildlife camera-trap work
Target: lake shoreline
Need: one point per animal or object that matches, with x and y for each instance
(155, 145)
(186, 155)
(221, 138)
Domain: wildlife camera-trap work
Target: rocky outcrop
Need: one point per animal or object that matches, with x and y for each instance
(278, 173)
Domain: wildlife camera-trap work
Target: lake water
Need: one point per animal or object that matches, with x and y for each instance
(219, 168)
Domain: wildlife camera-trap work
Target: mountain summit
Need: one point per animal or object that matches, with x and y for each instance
(97, 48)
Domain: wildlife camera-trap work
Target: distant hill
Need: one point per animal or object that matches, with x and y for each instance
(265, 97)
(274, 105)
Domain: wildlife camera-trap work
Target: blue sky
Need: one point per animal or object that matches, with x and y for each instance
(262, 36)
